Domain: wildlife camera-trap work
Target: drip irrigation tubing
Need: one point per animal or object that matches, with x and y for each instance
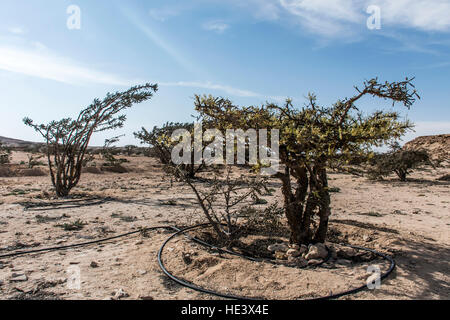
(185, 283)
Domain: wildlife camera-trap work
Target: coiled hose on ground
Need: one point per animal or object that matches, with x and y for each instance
(185, 283)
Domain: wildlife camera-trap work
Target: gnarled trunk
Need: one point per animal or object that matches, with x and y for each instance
(311, 197)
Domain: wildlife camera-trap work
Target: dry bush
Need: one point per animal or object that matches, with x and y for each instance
(161, 145)
(268, 219)
(5, 154)
(222, 199)
(108, 152)
(398, 161)
(34, 160)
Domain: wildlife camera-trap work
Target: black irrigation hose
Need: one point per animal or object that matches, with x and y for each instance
(191, 285)
(83, 244)
(235, 297)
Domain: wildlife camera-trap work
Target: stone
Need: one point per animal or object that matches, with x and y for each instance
(146, 298)
(294, 246)
(293, 253)
(317, 251)
(142, 272)
(299, 262)
(343, 262)
(279, 255)
(303, 249)
(94, 264)
(278, 247)
(314, 262)
(120, 294)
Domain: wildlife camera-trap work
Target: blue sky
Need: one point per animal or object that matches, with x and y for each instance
(249, 51)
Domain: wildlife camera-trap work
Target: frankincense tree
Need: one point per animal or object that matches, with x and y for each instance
(68, 139)
(398, 161)
(160, 139)
(313, 137)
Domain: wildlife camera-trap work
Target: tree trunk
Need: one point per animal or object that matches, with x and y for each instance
(292, 210)
(402, 174)
(324, 207)
(62, 192)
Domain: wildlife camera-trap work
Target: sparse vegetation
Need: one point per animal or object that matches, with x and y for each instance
(130, 150)
(33, 160)
(108, 152)
(398, 161)
(5, 154)
(268, 219)
(221, 201)
(162, 144)
(72, 226)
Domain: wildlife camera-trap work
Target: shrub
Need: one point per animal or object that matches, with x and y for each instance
(5, 154)
(398, 161)
(222, 199)
(33, 160)
(108, 152)
(161, 145)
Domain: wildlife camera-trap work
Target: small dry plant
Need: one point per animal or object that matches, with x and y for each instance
(223, 199)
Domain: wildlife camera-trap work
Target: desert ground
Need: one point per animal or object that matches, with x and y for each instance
(407, 220)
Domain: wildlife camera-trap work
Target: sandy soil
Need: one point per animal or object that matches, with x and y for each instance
(408, 220)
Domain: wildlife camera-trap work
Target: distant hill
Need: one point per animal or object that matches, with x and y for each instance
(21, 144)
(16, 143)
(438, 147)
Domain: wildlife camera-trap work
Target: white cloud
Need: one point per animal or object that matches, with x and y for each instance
(16, 30)
(41, 63)
(45, 65)
(329, 18)
(217, 26)
(341, 18)
(426, 15)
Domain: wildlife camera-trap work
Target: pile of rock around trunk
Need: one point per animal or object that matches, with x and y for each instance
(299, 255)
